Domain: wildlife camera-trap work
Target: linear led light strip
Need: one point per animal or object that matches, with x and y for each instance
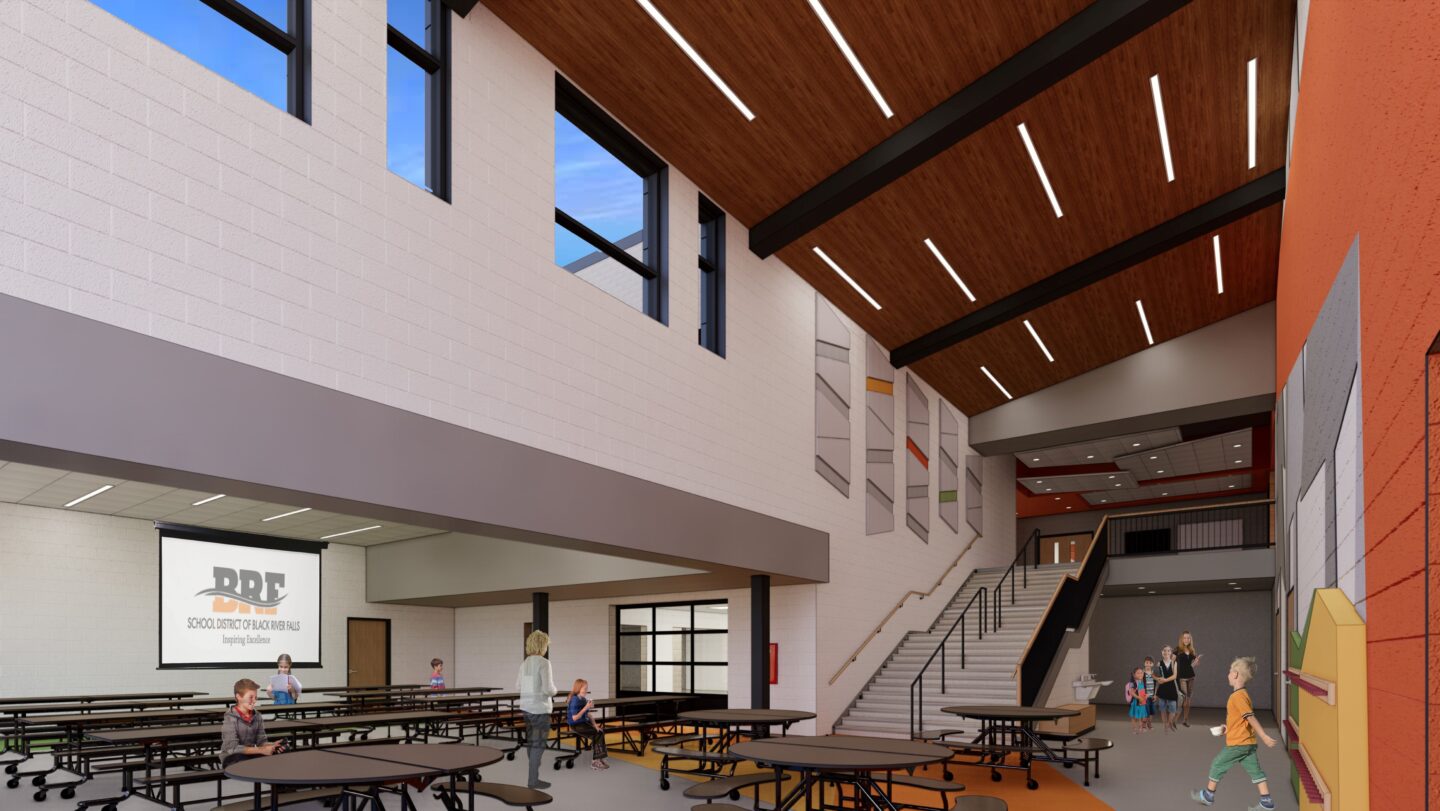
(349, 532)
(850, 56)
(1040, 170)
(287, 515)
(1036, 336)
(845, 276)
(1145, 322)
(696, 58)
(1219, 273)
(207, 500)
(93, 493)
(1160, 122)
(946, 264)
(1250, 69)
(997, 383)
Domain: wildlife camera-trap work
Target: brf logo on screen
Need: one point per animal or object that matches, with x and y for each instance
(244, 591)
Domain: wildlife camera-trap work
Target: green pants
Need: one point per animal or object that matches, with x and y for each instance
(1244, 755)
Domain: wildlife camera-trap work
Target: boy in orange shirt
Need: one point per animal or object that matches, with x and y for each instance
(1241, 728)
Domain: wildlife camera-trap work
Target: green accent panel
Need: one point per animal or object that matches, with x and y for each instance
(947, 496)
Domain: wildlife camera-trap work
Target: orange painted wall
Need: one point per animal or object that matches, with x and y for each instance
(1366, 161)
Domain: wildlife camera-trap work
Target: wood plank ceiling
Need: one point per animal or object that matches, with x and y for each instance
(980, 201)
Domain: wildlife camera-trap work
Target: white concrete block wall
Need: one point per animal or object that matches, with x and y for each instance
(79, 598)
(141, 190)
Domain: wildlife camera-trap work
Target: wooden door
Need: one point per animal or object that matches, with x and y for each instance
(368, 652)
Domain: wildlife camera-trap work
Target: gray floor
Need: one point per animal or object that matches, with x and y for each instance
(1154, 770)
(1159, 769)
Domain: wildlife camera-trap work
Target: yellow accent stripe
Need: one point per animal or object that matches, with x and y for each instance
(882, 386)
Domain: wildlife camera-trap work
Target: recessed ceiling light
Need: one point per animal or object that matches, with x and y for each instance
(1135, 444)
(1104, 500)
(207, 500)
(696, 58)
(1160, 122)
(1040, 170)
(1142, 588)
(348, 532)
(1036, 336)
(1153, 458)
(1232, 487)
(1036, 459)
(1237, 588)
(1219, 274)
(1091, 456)
(1145, 322)
(850, 57)
(287, 515)
(1152, 591)
(1117, 484)
(1164, 494)
(997, 383)
(1231, 583)
(1112, 477)
(1238, 462)
(1250, 109)
(945, 263)
(93, 493)
(845, 276)
(1159, 471)
(1049, 489)
(1069, 508)
(1057, 498)
(1235, 446)
(1039, 481)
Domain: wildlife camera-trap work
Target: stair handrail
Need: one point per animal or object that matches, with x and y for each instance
(974, 536)
(919, 683)
(1075, 591)
(1033, 540)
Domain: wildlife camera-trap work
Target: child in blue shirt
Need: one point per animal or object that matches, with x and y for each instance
(437, 674)
(577, 716)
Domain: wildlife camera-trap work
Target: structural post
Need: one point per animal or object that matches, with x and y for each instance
(540, 611)
(760, 641)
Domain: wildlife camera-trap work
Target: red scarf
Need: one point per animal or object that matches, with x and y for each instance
(244, 716)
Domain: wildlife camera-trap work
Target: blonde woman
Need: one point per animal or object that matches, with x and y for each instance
(1186, 660)
(536, 686)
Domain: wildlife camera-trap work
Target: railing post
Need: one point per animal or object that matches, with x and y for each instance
(982, 617)
(962, 650)
(942, 655)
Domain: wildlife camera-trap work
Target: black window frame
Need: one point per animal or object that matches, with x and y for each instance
(294, 42)
(712, 277)
(690, 661)
(652, 267)
(434, 59)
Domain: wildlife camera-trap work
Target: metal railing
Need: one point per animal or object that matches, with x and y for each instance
(1033, 542)
(1224, 526)
(917, 687)
(1067, 608)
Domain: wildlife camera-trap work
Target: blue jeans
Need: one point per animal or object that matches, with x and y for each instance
(537, 731)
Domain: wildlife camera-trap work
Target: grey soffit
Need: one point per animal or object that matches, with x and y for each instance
(36, 486)
(1098, 451)
(1190, 487)
(1214, 454)
(1080, 483)
(107, 401)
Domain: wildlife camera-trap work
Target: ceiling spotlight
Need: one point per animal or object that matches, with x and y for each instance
(1091, 456)
(1152, 592)
(945, 263)
(1237, 588)
(1250, 109)
(850, 57)
(1235, 446)
(1057, 498)
(1145, 322)
(1232, 487)
(1238, 462)
(348, 532)
(696, 58)
(1112, 477)
(1231, 583)
(1164, 494)
(997, 383)
(287, 515)
(1219, 274)
(1142, 588)
(207, 500)
(1039, 481)
(1036, 459)
(1104, 500)
(1153, 458)
(1036, 336)
(93, 493)
(1117, 484)
(1069, 508)
(1134, 444)
(1048, 489)
(1040, 170)
(1160, 122)
(845, 276)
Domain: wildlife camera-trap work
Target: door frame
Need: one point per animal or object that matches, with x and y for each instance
(348, 652)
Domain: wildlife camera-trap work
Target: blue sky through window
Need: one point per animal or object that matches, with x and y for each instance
(595, 188)
(405, 108)
(408, 17)
(199, 32)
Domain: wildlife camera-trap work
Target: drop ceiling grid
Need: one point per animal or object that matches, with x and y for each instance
(1078, 482)
(1103, 450)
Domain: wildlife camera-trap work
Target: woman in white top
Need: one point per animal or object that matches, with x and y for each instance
(536, 685)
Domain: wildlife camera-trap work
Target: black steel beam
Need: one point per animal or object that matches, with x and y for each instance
(412, 50)
(609, 248)
(242, 16)
(1227, 208)
(1072, 45)
(540, 611)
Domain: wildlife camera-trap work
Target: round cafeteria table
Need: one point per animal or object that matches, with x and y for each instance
(369, 766)
(840, 760)
(730, 721)
(1013, 727)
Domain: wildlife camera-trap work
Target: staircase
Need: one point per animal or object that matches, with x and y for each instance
(989, 675)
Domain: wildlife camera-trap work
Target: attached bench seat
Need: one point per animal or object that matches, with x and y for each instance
(672, 740)
(681, 753)
(1089, 750)
(283, 799)
(928, 783)
(180, 777)
(516, 796)
(936, 735)
(729, 786)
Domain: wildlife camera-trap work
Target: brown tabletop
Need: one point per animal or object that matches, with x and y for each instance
(840, 754)
(184, 733)
(381, 763)
(1000, 712)
(363, 688)
(393, 692)
(374, 718)
(93, 698)
(740, 716)
(138, 704)
(100, 718)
